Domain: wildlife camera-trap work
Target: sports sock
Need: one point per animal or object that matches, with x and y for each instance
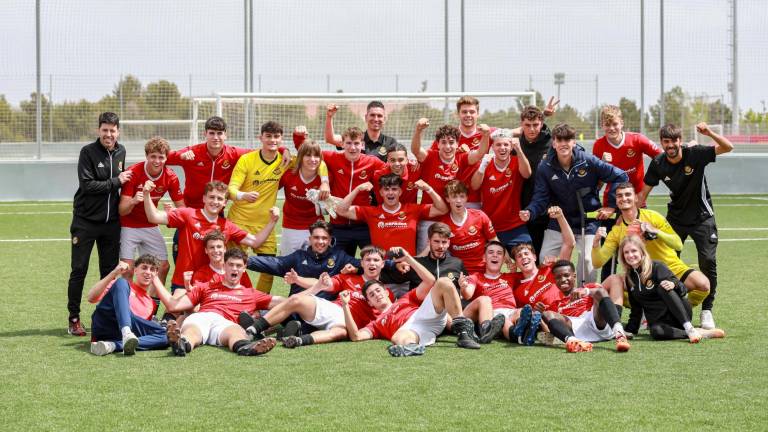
(307, 339)
(608, 311)
(260, 324)
(687, 326)
(239, 344)
(560, 329)
(618, 328)
(619, 309)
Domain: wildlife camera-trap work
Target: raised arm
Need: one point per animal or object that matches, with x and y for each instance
(345, 208)
(569, 240)
(439, 207)
(522, 162)
(479, 175)
(416, 149)
(154, 215)
(171, 304)
(722, 144)
(477, 154)
(96, 291)
(328, 134)
(467, 286)
(255, 241)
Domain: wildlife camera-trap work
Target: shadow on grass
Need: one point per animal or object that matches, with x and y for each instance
(60, 332)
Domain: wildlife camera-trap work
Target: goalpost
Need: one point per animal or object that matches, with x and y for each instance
(246, 112)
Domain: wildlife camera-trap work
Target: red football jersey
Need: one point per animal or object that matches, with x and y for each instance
(574, 307)
(627, 156)
(465, 175)
(228, 302)
(410, 176)
(193, 226)
(166, 181)
(540, 288)
(298, 211)
(390, 321)
(500, 194)
(468, 239)
(498, 288)
(344, 176)
(472, 141)
(207, 274)
(203, 169)
(396, 228)
(361, 311)
(437, 173)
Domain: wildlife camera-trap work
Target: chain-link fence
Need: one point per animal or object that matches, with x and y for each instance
(147, 60)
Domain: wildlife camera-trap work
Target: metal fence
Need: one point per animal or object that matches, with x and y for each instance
(147, 60)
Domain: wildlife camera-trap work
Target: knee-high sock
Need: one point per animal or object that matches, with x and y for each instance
(608, 311)
(560, 329)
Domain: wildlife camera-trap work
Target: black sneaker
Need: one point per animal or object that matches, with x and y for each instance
(292, 328)
(179, 344)
(491, 328)
(533, 328)
(257, 348)
(292, 342)
(407, 350)
(463, 328)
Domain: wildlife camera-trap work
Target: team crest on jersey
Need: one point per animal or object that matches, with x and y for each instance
(454, 167)
(649, 284)
(120, 166)
(256, 182)
(402, 215)
(581, 172)
(363, 175)
(631, 153)
(160, 190)
(475, 141)
(507, 172)
(472, 230)
(276, 171)
(451, 276)
(410, 186)
(226, 165)
(541, 278)
(382, 151)
(688, 170)
(330, 263)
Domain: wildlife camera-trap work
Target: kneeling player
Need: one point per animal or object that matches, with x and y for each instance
(220, 303)
(124, 309)
(414, 321)
(584, 315)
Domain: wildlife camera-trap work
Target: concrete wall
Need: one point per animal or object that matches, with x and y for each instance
(57, 180)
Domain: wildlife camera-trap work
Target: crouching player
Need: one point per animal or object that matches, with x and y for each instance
(220, 303)
(414, 321)
(124, 309)
(583, 315)
(328, 316)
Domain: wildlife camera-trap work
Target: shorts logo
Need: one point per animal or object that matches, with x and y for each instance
(75, 240)
(541, 278)
(688, 170)
(402, 215)
(472, 230)
(330, 263)
(581, 172)
(363, 174)
(382, 151)
(631, 153)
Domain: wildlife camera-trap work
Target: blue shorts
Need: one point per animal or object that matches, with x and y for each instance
(514, 237)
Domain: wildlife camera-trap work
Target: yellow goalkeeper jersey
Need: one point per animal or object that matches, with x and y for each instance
(254, 174)
(664, 248)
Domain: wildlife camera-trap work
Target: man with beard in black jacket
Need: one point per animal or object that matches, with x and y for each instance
(95, 217)
(535, 141)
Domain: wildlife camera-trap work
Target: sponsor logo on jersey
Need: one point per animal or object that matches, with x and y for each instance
(100, 165)
(441, 177)
(631, 153)
(226, 165)
(501, 188)
(468, 246)
(382, 151)
(688, 170)
(330, 263)
(394, 225)
(472, 230)
(581, 172)
(363, 175)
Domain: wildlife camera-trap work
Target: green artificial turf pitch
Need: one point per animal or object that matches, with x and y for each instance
(49, 381)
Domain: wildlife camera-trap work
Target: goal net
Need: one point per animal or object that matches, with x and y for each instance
(246, 112)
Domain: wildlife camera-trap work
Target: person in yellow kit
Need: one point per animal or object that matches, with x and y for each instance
(660, 239)
(253, 189)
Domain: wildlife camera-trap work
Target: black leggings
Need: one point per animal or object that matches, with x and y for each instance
(670, 326)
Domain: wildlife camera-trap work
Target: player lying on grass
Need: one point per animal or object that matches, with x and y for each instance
(328, 316)
(124, 310)
(584, 315)
(661, 241)
(412, 322)
(657, 293)
(220, 304)
(490, 296)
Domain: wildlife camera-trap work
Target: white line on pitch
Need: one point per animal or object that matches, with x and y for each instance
(34, 213)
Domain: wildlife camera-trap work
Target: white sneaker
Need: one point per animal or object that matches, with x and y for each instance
(102, 348)
(707, 321)
(130, 343)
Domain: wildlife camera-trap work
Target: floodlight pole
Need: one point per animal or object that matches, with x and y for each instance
(39, 101)
(445, 47)
(734, 73)
(462, 46)
(642, 67)
(663, 104)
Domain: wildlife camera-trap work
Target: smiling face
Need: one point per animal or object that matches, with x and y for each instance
(397, 161)
(438, 245)
(375, 118)
(214, 140)
(378, 297)
(391, 195)
(626, 199)
(143, 274)
(502, 149)
(613, 129)
(372, 264)
(270, 141)
(447, 148)
(525, 260)
(494, 258)
(234, 268)
(565, 279)
(672, 147)
(319, 240)
(155, 163)
(214, 201)
(108, 134)
(564, 148)
(468, 114)
(215, 250)
(632, 254)
(311, 162)
(353, 148)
